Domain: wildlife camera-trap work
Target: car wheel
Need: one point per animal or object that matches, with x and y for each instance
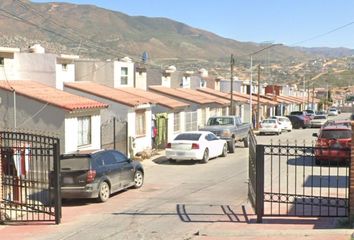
(138, 179)
(224, 150)
(231, 145)
(103, 192)
(246, 141)
(205, 156)
(317, 162)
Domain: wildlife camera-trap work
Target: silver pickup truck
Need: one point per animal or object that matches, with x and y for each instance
(229, 128)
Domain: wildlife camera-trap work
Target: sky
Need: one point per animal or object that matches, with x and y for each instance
(308, 23)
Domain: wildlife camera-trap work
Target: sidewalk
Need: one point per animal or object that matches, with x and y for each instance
(242, 225)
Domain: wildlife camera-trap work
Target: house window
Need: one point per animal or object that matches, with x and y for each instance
(2, 61)
(124, 76)
(177, 122)
(140, 123)
(84, 131)
(64, 67)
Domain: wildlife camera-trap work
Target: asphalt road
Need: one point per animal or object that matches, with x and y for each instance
(177, 201)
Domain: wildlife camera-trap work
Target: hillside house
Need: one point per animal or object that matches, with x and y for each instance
(34, 106)
(133, 109)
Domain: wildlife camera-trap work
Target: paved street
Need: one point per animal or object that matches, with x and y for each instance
(180, 201)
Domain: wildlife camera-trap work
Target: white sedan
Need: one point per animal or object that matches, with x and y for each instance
(197, 146)
(285, 123)
(318, 121)
(270, 125)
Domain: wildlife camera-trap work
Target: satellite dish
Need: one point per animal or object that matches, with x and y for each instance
(145, 57)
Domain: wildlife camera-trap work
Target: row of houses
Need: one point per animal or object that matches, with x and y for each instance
(74, 98)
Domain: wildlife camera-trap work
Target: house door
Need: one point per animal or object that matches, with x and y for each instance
(162, 126)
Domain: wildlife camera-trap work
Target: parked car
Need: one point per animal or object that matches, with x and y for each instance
(297, 121)
(321, 112)
(270, 125)
(285, 123)
(196, 146)
(98, 174)
(318, 121)
(333, 144)
(345, 123)
(229, 128)
(310, 113)
(305, 120)
(332, 112)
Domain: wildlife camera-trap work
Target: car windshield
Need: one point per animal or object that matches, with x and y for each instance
(188, 136)
(220, 121)
(320, 117)
(333, 110)
(75, 163)
(336, 134)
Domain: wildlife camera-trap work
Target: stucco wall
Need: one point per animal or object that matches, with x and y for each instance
(64, 75)
(95, 71)
(117, 73)
(37, 67)
(31, 115)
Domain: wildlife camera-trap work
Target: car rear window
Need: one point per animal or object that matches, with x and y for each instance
(188, 136)
(269, 121)
(220, 121)
(75, 163)
(296, 113)
(336, 134)
(319, 117)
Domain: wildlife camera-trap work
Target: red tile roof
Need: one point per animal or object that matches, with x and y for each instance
(222, 94)
(155, 97)
(50, 95)
(113, 94)
(188, 94)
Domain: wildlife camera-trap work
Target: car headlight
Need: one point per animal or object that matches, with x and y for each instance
(226, 133)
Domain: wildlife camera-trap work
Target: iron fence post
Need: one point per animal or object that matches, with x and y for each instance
(57, 185)
(259, 182)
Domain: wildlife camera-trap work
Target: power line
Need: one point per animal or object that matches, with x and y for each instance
(324, 34)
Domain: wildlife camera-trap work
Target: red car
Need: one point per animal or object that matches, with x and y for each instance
(333, 144)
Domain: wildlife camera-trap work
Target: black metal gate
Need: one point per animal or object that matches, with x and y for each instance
(30, 187)
(291, 182)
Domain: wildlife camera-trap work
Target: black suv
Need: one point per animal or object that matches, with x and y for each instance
(97, 174)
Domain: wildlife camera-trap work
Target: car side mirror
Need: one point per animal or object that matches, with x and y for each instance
(314, 135)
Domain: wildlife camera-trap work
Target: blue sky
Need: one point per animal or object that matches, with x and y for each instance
(278, 21)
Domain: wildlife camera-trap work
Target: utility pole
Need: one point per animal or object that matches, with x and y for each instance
(258, 96)
(313, 97)
(308, 96)
(232, 63)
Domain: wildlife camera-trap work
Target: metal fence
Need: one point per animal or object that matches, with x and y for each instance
(30, 187)
(299, 181)
(114, 135)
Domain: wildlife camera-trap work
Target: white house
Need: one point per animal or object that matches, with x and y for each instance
(36, 65)
(110, 73)
(31, 105)
(172, 110)
(134, 109)
(201, 106)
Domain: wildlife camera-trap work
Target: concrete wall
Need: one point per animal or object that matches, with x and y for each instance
(95, 71)
(31, 66)
(141, 80)
(32, 115)
(118, 73)
(64, 74)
